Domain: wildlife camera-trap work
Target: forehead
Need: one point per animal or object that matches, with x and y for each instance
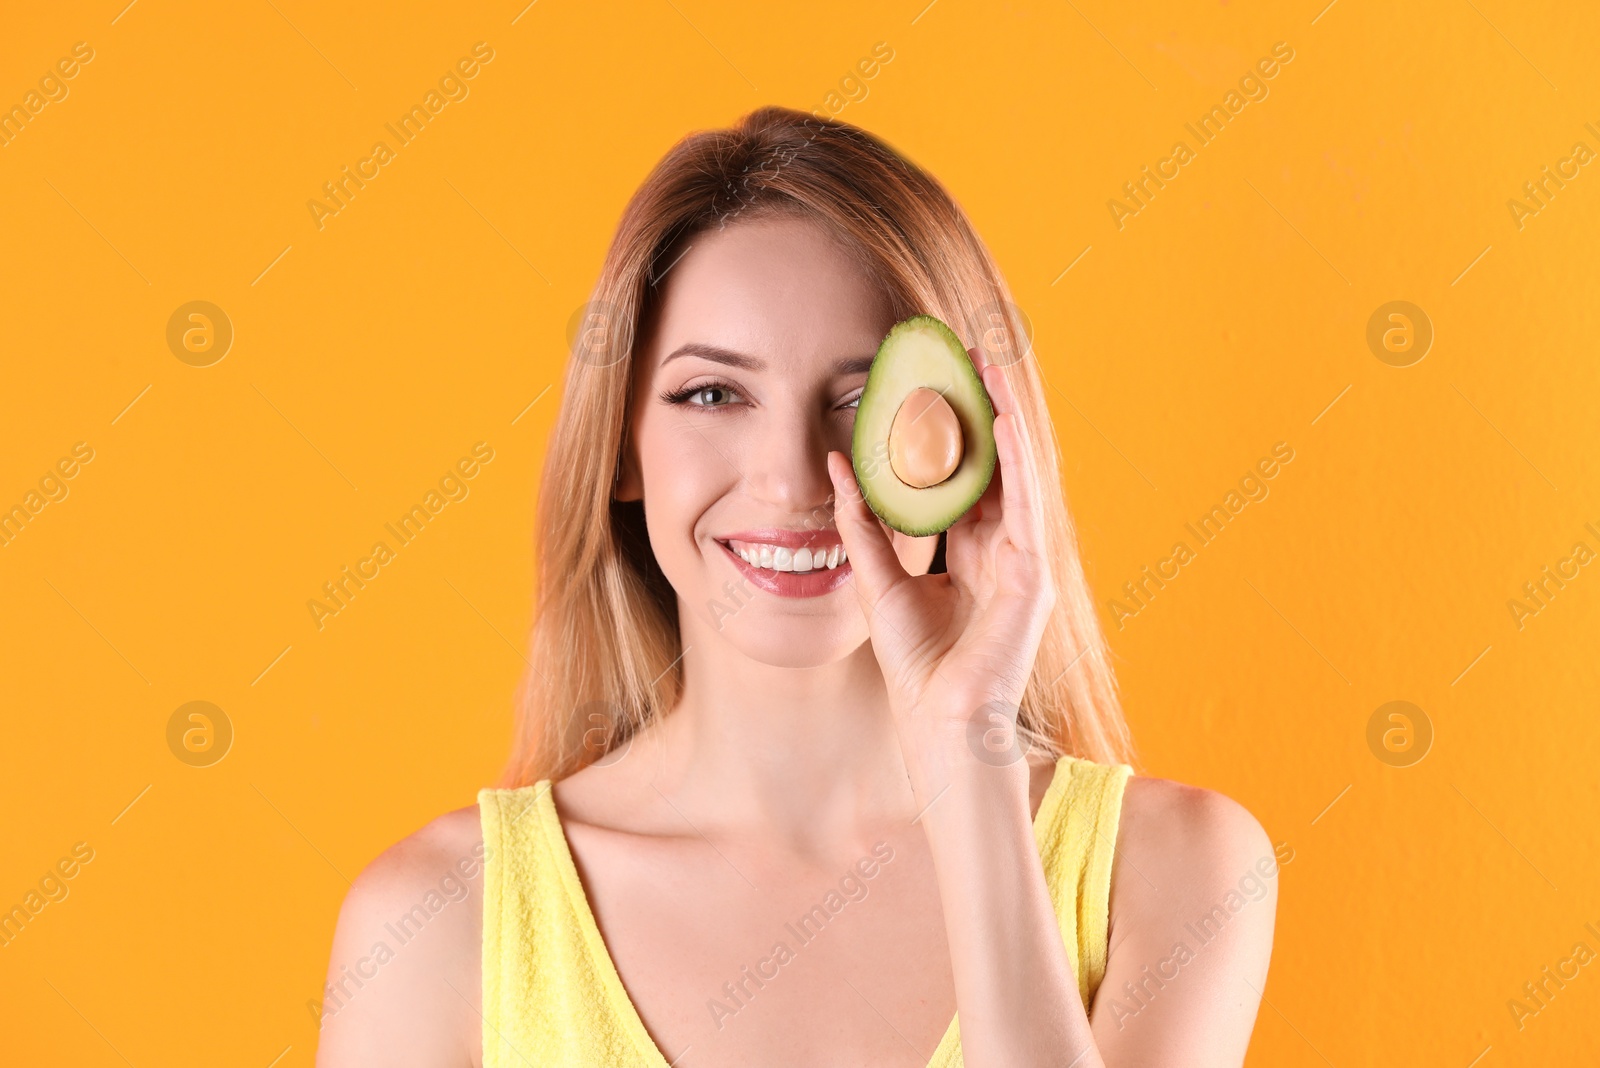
(784, 290)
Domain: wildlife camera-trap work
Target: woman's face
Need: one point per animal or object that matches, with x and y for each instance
(749, 375)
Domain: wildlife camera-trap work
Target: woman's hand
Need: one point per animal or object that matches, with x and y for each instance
(958, 646)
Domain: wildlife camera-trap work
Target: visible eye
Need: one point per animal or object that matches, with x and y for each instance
(708, 395)
(855, 401)
(711, 397)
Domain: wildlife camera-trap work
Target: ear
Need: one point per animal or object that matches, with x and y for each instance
(628, 484)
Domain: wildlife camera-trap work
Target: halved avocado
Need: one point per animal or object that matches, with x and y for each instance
(923, 445)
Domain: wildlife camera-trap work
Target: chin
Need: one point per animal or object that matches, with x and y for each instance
(794, 642)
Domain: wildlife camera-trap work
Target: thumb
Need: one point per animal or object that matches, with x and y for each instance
(873, 561)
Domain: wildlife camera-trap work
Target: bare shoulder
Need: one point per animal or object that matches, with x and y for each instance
(1188, 831)
(1194, 892)
(404, 975)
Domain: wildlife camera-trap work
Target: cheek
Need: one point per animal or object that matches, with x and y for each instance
(916, 554)
(684, 476)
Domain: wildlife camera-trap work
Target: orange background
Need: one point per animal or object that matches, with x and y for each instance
(369, 355)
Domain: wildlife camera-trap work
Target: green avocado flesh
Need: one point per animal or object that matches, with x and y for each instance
(922, 352)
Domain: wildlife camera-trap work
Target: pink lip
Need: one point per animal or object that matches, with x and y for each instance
(789, 583)
(792, 539)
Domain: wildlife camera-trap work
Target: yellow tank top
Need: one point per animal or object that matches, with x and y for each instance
(552, 996)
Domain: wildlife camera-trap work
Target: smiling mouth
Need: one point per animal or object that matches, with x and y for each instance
(781, 558)
(787, 562)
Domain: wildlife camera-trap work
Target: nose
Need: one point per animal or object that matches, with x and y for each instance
(787, 466)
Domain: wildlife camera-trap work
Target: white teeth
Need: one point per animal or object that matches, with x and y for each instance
(782, 558)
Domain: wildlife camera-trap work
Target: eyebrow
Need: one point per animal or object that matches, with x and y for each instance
(716, 354)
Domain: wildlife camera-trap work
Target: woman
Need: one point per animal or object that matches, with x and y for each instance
(755, 817)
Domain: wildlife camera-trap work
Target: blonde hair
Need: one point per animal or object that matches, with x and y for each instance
(605, 652)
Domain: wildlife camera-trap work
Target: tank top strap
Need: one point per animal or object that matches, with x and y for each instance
(550, 992)
(1077, 845)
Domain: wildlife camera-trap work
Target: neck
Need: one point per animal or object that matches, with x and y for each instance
(806, 753)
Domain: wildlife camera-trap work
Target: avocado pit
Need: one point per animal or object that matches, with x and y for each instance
(925, 445)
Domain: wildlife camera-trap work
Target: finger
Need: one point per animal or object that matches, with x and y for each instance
(876, 567)
(1019, 484)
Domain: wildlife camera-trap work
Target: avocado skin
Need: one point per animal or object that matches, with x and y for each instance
(869, 451)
